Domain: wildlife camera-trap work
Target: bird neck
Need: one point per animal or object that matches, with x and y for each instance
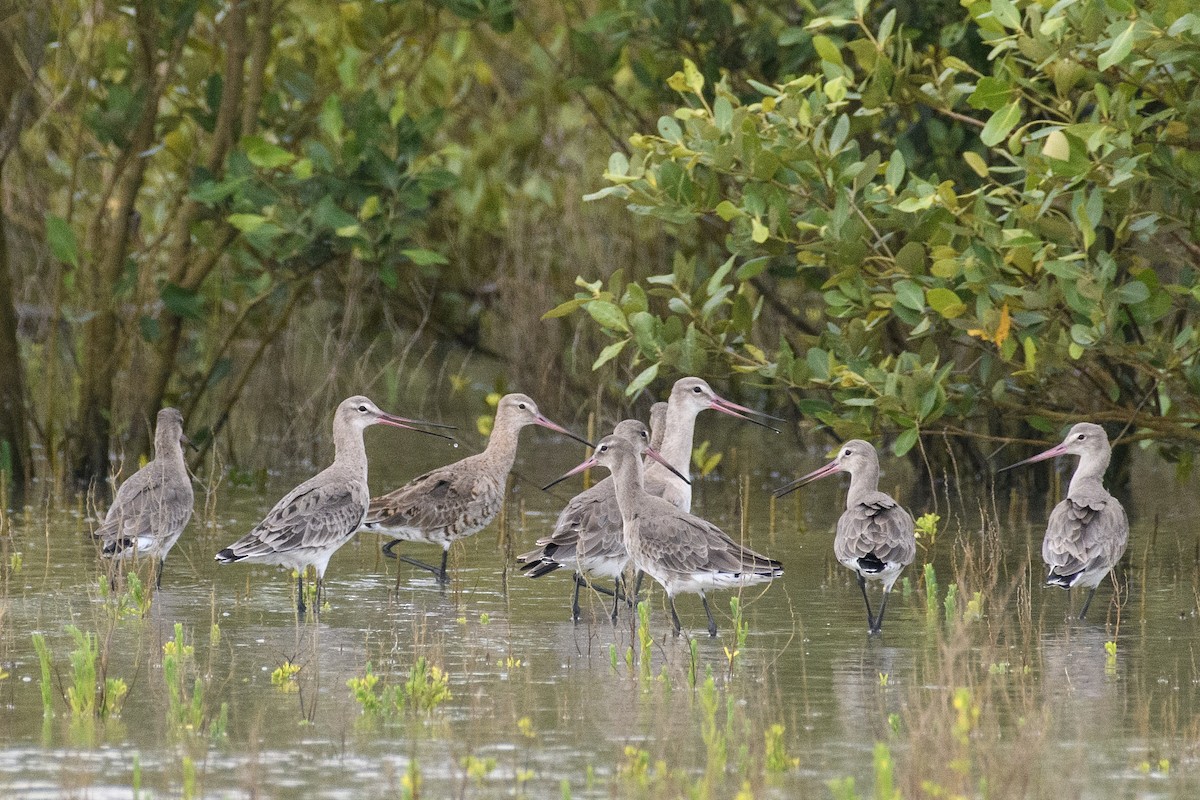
(1089, 475)
(167, 448)
(678, 434)
(348, 447)
(863, 482)
(501, 449)
(628, 482)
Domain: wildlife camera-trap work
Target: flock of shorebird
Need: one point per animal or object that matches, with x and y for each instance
(637, 519)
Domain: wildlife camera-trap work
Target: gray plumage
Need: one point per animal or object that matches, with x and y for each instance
(875, 535)
(680, 551)
(460, 499)
(1088, 530)
(152, 508)
(587, 534)
(316, 518)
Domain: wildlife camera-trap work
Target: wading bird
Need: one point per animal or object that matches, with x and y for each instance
(1087, 531)
(587, 535)
(680, 551)
(460, 499)
(875, 536)
(153, 507)
(316, 518)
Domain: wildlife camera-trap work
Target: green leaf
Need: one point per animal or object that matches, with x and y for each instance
(1133, 292)
(609, 353)
(827, 50)
(265, 155)
(642, 380)
(714, 283)
(895, 170)
(608, 315)
(945, 302)
(695, 80)
(424, 258)
(1006, 14)
(618, 164)
(905, 441)
(182, 302)
(1001, 124)
(910, 295)
(976, 163)
(758, 232)
(1057, 146)
(61, 238)
(563, 309)
(669, 129)
(990, 93)
(247, 223)
(722, 114)
(1119, 49)
(840, 131)
(727, 210)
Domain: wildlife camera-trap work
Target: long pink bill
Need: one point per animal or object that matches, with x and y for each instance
(741, 412)
(650, 451)
(1057, 450)
(588, 464)
(408, 424)
(815, 475)
(554, 426)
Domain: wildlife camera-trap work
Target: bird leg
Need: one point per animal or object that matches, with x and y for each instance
(300, 607)
(158, 575)
(389, 548)
(637, 589)
(579, 582)
(878, 626)
(862, 584)
(712, 623)
(320, 596)
(674, 616)
(439, 573)
(616, 598)
(1087, 603)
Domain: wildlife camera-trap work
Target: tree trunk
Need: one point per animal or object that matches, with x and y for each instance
(15, 459)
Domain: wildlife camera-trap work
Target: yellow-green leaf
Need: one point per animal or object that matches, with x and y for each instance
(976, 163)
(758, 231)
(695, 80)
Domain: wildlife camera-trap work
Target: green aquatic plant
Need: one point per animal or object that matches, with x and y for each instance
(951, 602)
(427, 687)
(931, 590)
(705, 462)
(283, 677)
(478, 768)
(187, 711)
(373, 699)
(776, 757)
(91, 694)
(926, 529)
(645, 640)
(885, 789)
(43, 654)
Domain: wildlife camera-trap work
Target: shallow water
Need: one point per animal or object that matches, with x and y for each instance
(538, 708)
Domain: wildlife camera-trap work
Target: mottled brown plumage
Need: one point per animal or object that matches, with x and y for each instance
(587, 535)
(459, 499)
(682, 552)
(152, 508)
(316, 518)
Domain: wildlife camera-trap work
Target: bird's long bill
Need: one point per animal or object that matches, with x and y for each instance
(588, 464)
(735, 410)
(554, 426)
(1057, 450)
(409, 424)
(657, 456)
(815, 475)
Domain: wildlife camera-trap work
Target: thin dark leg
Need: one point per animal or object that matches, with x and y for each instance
(712, 623)
(320, 596)
(1087, 603)
(878, 626)
(300, 607)
(616, 598)
(443, 576)
(862, 584)
(674, 616)
(579, 581)
(637, 589)
(158, 578)
(389, 548)
(425, 566)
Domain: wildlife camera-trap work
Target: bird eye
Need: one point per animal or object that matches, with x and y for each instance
(847, 452)
(696, 389)
(603, 448)
(362, 409)
(1081, 437)
(521, 406)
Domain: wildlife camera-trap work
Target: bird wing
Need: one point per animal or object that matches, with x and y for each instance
(877, 526)
(440, 499)
(313, 515)
(589, 524)
(686, 543)
(146, 505)
(1084, 530)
